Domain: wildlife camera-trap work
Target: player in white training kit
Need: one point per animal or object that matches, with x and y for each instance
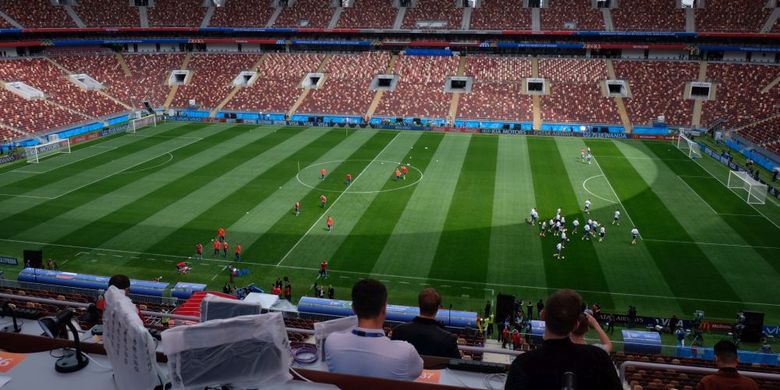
(586, 232)
(616, 220)
(564, 238)
(575, 224)
(602, 233)
(634, 235)
(543, 231)
(534, 216)
(558, 251)
(587, 206)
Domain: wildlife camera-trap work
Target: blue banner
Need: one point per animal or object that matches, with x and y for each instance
(335, 307)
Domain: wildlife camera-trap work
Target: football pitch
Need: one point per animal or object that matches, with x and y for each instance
(138, 203)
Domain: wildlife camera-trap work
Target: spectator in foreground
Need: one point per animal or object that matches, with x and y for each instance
(121, 282)
(426, 335)
(727, 376)
(366, 350)
(584, 323)
(543, 368)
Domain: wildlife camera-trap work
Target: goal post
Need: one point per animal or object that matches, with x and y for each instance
(751, 190)
(144, 121)
(38, 152)
(688, 146)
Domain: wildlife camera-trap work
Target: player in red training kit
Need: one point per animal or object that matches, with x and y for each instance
(238, 252)
(323, 270)
(323, 201)
(404, 171)
(397, 174)
(217, 247)
(297, 208)
(224, 248)
(199, 251)
(330, 223)
(221, 234)
(323, 172)
(349, 179)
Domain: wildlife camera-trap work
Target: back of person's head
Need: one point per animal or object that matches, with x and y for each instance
(369, 298)
(562, 311)
(119, 281)
(726, 352)
(582, 326)
(429, 301)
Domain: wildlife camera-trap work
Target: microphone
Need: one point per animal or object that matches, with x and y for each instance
(568, 381)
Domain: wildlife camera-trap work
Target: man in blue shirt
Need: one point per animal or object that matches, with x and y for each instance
(365, 350)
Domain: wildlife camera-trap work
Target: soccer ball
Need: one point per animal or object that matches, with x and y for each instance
(426, 148)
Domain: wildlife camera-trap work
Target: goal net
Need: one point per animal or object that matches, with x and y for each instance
(687, 146)
(38, 152)
(137, 124)
(751, 190)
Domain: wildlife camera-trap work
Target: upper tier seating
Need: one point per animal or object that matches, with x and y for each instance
(43, 75)
(212, 76)
(738, 97)
(657, 88)
(434, 10)
(420, 92)
(345, 91)
(648, 15)
(368, 14)
(501, 15)
(36, 13)
(33, 115)
(108, 13)
(242, 13)
(496, 91)
(105, 69)
(187, 13)
(150, 72)
(766, 134)
(578, 12)
(730, 15)
(575, 92)
(279, 84)
(315, 13)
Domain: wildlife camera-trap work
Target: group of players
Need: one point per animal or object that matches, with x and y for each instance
(557, 226)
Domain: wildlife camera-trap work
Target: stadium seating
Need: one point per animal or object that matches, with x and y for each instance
(187, 13)
(348, 77)
(149, 73)
(43, 75)
(242, 13)
(648, 15)
(575, 92)
(105, 69)
(279, 83)
(657, 88)
(501, 15)
(107, 13)
(33, 115)
(306, 13)
(496, 91)
(434, 10)
(579, 13)
(368, 14)
(37, 13)
(739, 99)
(4, 24)
(764, 133)
(420, 91)
(212, 76)
(729, 15)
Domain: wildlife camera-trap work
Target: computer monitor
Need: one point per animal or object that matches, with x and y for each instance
(246, 351)
(214, 307)
(129, 346)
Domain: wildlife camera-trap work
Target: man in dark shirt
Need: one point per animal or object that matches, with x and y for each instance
(727, 376)
(543, 368)
(428, 336)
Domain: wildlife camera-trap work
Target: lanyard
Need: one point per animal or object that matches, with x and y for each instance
(367, 334)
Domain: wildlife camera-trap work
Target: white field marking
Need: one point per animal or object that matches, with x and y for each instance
(741, 215)
(644, 158)
(170, 158)
(218, 272)
(164, 136)
(336, 200)
(615, 193)
(697, 176)
(423, 281)
(29, 196)
(298, 177)
(726, 185)
(81, 253)
(697, 195)
(108, 149)
(713, 243)
(125, 169)
(585, 187)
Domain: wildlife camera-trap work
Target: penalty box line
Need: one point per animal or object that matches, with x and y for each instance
(136, 255)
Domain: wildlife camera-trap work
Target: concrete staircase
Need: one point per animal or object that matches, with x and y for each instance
(537, 100)
(607, 14)
(698, 105)
(274, 16)
(335, 19)
(73, 15)
(207, 17)
(536, 19)
(466, 23)
(143, 16)
(105, 94)
(235, 90)
(123, 64)
(399, 18)
(175, 88)
(771, 20)
(306, 91)
(455, 100)
(621, 106)
(690, 20)
(378, 95)
(10, 20)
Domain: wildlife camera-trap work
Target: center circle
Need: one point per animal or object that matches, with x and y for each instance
(312, 171)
